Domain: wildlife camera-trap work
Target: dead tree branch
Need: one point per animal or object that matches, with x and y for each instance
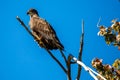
(57, 61)
(69, 67)
(36, 37)
(64, 57)
(80, 51)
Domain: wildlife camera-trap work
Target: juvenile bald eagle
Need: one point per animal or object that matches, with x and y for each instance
(40, 27)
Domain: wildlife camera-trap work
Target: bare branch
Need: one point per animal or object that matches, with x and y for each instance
(36, 37)
(80, 51)
(57, 61)
(99, 22)
(63, 56)
(69, 67)
(22, 23)
(73, 62)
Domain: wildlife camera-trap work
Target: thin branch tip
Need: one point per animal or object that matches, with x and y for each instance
(82, 26)
(98, 24)
(80, 51)
(17, 17)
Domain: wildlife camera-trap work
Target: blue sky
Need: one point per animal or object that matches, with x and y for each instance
(22, 59)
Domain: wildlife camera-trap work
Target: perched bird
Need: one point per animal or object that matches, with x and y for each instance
(41, 28)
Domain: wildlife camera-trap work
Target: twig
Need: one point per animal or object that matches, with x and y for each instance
(80, 52)
(63, 56)
(99, 22)
(69, 67)
(73, 62)
(36, 37)
(57, 61)
(22, 23)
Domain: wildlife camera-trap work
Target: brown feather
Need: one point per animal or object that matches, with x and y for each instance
(45, 32)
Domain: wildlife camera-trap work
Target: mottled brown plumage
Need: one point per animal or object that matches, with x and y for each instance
(44, 31)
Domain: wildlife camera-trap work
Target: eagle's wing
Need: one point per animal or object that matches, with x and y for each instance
(45, 30)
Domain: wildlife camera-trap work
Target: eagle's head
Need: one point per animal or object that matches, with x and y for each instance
(32, 12)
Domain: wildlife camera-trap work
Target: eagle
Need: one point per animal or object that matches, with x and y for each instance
(44, 31)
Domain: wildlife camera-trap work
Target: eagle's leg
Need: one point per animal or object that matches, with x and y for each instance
(41, 43)
(38, 39)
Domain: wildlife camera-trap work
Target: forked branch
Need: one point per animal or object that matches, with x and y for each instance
(80, 51)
